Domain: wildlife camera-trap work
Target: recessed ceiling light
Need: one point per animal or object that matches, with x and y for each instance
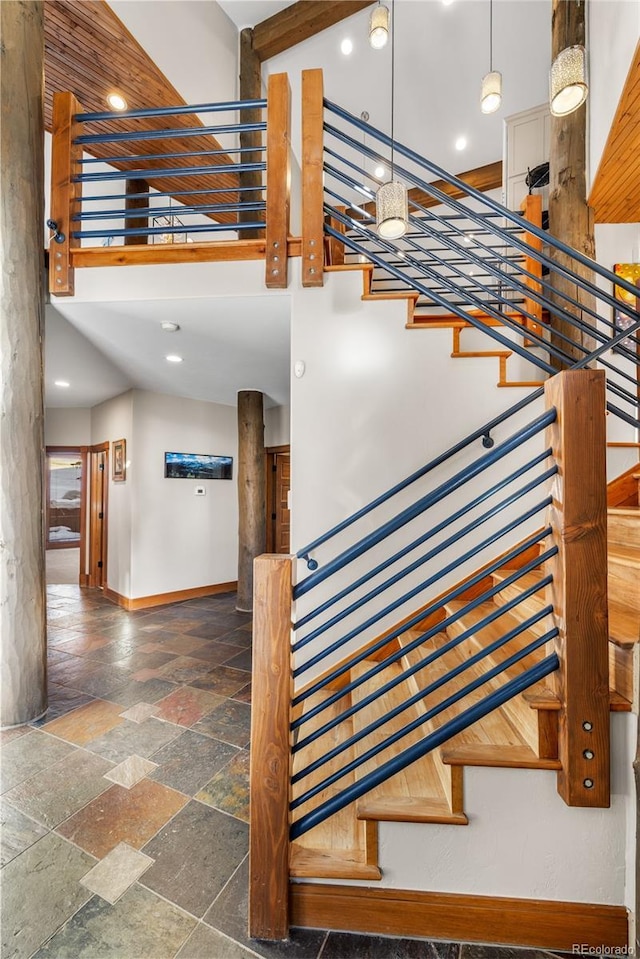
(170, 327)
(447, 3)
(173, 358)
(116, 101)
(63, 384)
(379, 172)
(461, 143)
(347, 46)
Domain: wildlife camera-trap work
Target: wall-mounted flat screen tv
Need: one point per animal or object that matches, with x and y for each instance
(197, 466)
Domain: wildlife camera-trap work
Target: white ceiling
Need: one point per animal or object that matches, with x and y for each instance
(441, 53)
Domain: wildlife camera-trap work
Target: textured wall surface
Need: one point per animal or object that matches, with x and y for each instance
(22, 607)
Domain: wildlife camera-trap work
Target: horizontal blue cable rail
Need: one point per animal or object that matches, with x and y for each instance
(151, 211)
(176, 133)
(174, 193)
(171, 111)
(161, 230)
(452, 540)
(428, 743)
(162, 173)
(136, 157)
(432, 687)
(417, 618)
(408, 514)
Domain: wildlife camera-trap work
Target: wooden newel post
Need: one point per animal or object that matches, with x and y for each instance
(312, 179)
(270, 748)
(278, 180)
(65, 155)
(578, 516)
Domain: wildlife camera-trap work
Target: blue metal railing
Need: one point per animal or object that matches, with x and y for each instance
(182, 194)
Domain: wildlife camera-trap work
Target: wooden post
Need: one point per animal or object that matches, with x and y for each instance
(278, 180)
(135, 202)
(23, 651)
(578, 516)
(270, 749)
(64, 192)
(250, 89)
(531, 210)
(312, 180)
(570, 217)
(252, 508)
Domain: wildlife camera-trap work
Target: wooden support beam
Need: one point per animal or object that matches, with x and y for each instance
(570, 217)
(252, 519)
(312, 179)
(531, 210)
(270, 749)
(299, 21)
(278, 180)
(135, 202)
(578, 516)
(64, 192)
(250, 89)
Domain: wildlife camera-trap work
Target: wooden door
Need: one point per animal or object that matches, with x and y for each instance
(98, 492)
(278, 486)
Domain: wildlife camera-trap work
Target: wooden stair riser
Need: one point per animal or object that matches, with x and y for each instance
(624, 580)
(623, 666)
(623, 528)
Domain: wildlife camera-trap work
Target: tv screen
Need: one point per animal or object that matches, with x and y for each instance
(197, 466)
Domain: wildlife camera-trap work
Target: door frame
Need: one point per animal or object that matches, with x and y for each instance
(98, 526)
(270, 490)
(81, 451)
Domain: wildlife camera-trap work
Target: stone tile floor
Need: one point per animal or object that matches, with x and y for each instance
(124, 809)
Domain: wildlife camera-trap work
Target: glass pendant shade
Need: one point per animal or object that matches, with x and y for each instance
(568, 81)
(491, 96)
(379, 26)
(392, 210)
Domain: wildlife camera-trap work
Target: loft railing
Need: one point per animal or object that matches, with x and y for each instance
(126, 187)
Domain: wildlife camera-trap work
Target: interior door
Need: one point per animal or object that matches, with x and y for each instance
(278, 487)
(98, 492)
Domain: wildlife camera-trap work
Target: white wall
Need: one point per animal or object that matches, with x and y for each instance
(613, 32)
(277, 426)
(67, 427)
(111, 421)
(180, 540)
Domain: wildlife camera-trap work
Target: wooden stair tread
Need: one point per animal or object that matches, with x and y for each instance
(491, 729)
(624, 555)
(416, 792)
(541, 697)
(491, 632)
(471, 353)
(529, 606)
(481, 754)
(320, 864)
(340, 837)
(624, 624)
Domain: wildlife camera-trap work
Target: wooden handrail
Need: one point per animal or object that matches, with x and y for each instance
(64, 159)
(270, 748)
(312, 184)
(278, 180)
(579, 588)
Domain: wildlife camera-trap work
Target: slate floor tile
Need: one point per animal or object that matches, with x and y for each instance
(141, 692)
(8, 735)
(185, 706)
(119, 869)
(229, 914)
(221, 680)
(131, 771)
(122, 815)
(139, 926)
(237, 637)
(28, 755)
(216, 653)
(134, 739)
(241, 661)
(206, 943)
(47, 874)
(17, 832)
(190, 761)
(184, 669)
(346, 945)
(87, 722)
(61, 790)
(61, 700)
(103, 679)
(85, 643)
(243, 695)
(472, 950)
(230, 721)
(204, 847)
(140, 712)
(210, 630)
(228, 789)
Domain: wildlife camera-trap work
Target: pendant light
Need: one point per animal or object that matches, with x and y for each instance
(568, 87)
(392, 205)
(491, 95)
(379, 26)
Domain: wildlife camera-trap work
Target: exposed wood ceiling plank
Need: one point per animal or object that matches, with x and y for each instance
(615, 193)
(300, 21)
(89, 51)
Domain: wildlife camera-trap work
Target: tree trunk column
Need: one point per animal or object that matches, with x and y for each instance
(22, 592)
(251, 492)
